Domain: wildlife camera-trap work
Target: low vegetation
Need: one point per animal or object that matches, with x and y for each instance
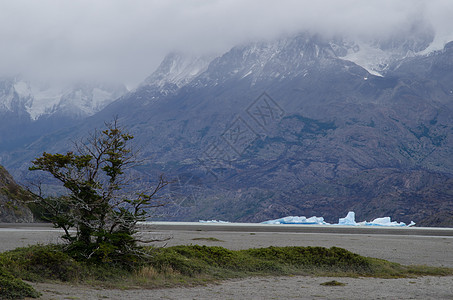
(207, 239)
(13, 288)
(333, 283)
(189, 265)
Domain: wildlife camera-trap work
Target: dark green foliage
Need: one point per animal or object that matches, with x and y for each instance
(208, 239)
(333, 283)
(213, 256)
(34, 262)
(13, 288)
(110, 250)
(177, 261)
(312, 256)
(223, 263)
(52, 262)
(43, 263)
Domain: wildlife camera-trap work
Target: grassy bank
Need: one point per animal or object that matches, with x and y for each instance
(191, 265)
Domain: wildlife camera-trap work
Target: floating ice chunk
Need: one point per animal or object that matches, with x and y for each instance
(386, 221)
(348, 220)
(382, 221)
(298, 220)
(213, 221)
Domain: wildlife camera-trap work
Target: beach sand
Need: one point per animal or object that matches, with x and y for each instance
(424, 250)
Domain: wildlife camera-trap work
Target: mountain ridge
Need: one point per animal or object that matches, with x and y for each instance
(341, 138)
(44, 100)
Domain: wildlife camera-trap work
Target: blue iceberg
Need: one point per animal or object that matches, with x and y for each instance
(212, 221)
(349, 220)
(298, 220)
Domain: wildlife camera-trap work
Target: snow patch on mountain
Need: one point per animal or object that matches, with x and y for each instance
(6, 101)
(44, 101)
(38, 100)
(377, 55)
(178, 69)
(22, 89)
(438, 43)
(374, 59)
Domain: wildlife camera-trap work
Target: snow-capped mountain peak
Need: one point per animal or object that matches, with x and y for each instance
(39, 100)
(290, 56)
(178, 69)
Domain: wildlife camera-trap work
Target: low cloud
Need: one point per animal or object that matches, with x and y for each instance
(125, 40)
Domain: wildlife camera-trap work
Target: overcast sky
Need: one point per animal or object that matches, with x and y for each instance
(125, 40)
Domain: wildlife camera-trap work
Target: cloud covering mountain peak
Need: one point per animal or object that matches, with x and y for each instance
(124, 40)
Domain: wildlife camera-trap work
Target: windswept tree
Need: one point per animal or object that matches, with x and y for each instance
(98, 214)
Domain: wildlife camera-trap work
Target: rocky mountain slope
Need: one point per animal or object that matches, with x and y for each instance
(295, 126)
(12, 207)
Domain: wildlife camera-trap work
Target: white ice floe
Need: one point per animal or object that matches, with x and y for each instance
(213, 221)
(349, 220)
(298, 220)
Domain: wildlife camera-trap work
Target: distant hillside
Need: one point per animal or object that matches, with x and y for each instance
(12, 207)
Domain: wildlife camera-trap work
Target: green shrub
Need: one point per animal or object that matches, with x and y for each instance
(217, 256)
(13, 288)
(313, 257)
(178, 261)
(333, 283)
(34, 262)
(194, 259)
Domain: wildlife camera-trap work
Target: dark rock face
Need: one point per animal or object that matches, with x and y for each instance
(292, 127)
(12, 208)
(330, 138)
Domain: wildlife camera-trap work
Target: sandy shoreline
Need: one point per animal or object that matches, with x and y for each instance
(427, 250)
(297, 287)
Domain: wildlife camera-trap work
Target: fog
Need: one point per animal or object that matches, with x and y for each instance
(126, 40)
